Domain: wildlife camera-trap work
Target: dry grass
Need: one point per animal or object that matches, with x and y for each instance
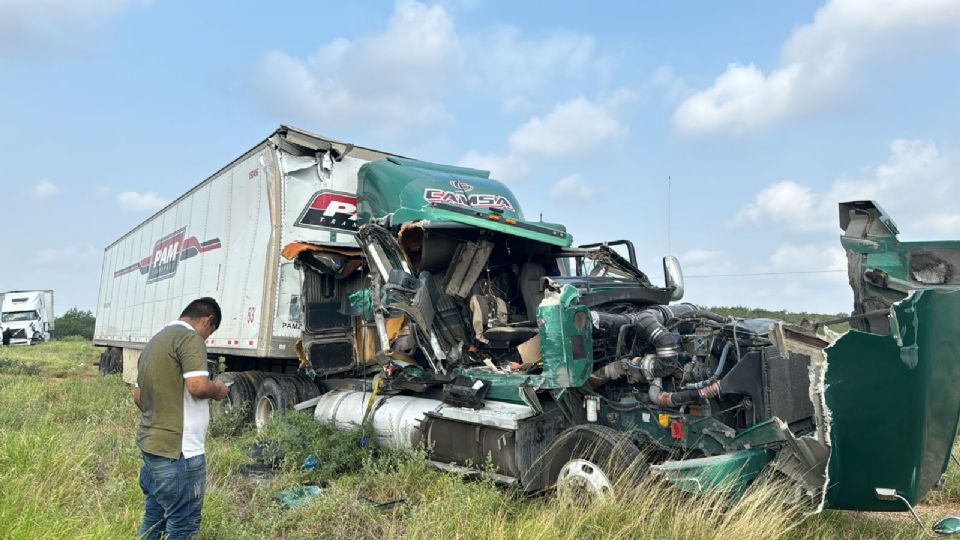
(68, 469)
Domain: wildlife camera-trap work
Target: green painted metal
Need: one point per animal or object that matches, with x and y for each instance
(728, 473)
(567, 351)
(560, 238)
(563, 366)
(409, 190)
(699, 432)
(504, 386)
(894, 401)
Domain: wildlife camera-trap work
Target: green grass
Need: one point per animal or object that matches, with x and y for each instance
(69, 465)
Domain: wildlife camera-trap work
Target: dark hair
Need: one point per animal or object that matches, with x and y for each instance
(203, 307)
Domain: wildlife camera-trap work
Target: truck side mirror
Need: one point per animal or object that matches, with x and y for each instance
(673, 277)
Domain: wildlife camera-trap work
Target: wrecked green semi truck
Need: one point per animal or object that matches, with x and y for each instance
(417, 297)
(487, 337)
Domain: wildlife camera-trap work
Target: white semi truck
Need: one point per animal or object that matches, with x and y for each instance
(223, 239)
(26, 317)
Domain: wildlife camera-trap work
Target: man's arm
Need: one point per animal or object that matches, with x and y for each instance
(136, 398)
(201, 387)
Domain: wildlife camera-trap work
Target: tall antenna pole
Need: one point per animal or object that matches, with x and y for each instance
(669, 246)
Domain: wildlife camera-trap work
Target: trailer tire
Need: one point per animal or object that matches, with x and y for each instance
(110, 361)
(587, 461)
(273, 394)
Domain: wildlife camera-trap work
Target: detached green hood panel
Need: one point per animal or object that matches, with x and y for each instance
(894, 402)
(411, 190)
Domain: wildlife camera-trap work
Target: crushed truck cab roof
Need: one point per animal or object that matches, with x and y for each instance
(406, 190)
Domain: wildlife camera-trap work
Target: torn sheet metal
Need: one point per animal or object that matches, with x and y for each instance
(894, 402)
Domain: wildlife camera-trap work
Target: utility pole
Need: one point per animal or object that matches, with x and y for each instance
(669, 185)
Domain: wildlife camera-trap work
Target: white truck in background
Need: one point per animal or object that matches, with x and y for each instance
(26, 317)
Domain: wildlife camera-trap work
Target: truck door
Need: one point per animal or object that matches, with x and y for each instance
(328, 331)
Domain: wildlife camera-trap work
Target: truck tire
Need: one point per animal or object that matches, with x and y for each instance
(306, 388)
(242, 392)
(274, 394)
(589, 460)
(111, 361)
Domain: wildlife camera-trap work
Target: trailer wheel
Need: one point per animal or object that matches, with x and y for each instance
(110, 361)
(274, 394)
(589, 460)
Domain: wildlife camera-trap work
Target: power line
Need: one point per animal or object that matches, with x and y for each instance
(766, 273)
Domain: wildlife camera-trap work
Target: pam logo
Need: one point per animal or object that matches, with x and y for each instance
(167, 253)
(330, 210)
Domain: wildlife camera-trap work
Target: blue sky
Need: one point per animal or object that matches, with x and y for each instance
(763, 114)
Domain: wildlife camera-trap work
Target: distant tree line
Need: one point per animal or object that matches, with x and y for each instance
(791, 317)
(75, 323)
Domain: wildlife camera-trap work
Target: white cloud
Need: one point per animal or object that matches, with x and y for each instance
(30, 26)
(391, 81)
(706, 262)
(511, 63)
(668, 83)
(571, 129)
(501, 167)
(132, 201)
(400, 78)
(818, 62)
(918, 185)
(571, 188)
(786, 202)
(809, 257)
(575, 125)
(45, 189)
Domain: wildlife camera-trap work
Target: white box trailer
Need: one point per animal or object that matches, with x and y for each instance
(223, 239)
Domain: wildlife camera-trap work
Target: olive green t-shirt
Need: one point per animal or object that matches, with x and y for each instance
(173, 422)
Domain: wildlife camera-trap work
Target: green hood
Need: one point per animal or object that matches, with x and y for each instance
(410, 190)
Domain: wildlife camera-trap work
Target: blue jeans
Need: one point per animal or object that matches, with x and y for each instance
(174, 491)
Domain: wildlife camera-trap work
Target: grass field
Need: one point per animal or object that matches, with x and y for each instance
(68, 469)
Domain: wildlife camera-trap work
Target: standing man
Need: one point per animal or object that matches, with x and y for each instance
(172, 392)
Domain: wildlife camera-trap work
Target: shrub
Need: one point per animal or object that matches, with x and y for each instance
(76, 323)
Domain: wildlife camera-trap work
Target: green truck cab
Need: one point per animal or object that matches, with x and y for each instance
(462, 326)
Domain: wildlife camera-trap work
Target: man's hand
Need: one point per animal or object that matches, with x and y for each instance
(136, 398)
(201, 387)
(222, 390)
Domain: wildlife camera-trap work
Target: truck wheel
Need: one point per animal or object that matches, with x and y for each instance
(589, 460)
(274, 394)
(306, 388)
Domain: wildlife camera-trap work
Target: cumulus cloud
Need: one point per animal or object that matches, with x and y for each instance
(45, 189)
(817, 63)
(571, 128)
(571, 188)
(30, 26)
(400, 78)
(393, 80)
(573, 125)
(918, 185)
(785, 201)
(132, 201)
